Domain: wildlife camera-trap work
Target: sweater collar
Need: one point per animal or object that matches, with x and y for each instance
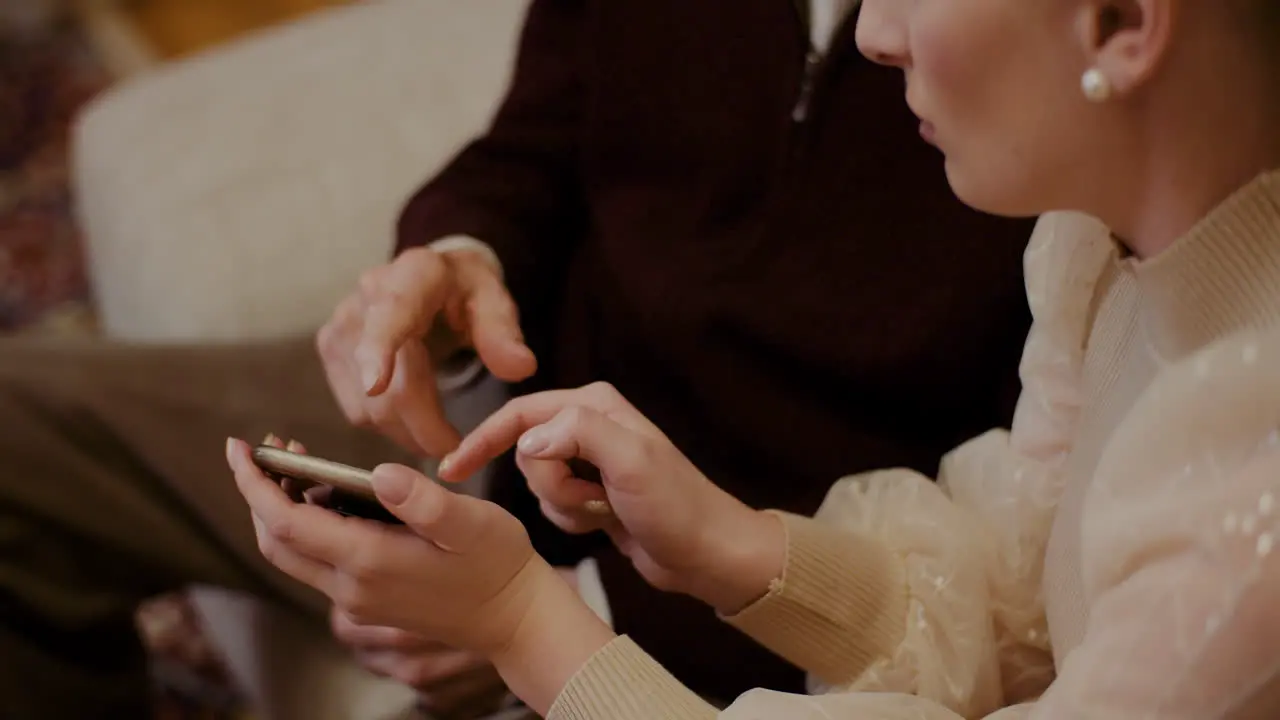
(1221, 277)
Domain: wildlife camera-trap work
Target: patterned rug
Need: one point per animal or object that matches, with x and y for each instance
(47, 73)
(44, 79)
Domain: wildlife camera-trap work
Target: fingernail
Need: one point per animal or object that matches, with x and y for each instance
(294, 446)
(231, 446)
(392, 485)
(445, 464)
(270, 439)
(598, 507)
(534, 442)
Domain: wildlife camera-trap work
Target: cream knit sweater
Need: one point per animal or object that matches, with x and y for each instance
(1111, 557)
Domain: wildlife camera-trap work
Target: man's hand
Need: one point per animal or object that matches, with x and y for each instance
(451, 684)
(374, 352)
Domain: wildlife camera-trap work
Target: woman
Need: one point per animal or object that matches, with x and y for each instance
(1111, 557)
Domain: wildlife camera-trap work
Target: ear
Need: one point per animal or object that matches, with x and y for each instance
(1126, 39)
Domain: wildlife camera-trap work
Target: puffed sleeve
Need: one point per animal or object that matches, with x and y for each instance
(1179, 562)
(1178, 536)
(970, 637)
(972, 544)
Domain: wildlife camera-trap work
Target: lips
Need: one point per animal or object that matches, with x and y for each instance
(927, 132)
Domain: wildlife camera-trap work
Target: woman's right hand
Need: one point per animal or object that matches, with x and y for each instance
(682, 532)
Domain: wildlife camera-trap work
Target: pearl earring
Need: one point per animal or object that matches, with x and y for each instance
(1096, 85)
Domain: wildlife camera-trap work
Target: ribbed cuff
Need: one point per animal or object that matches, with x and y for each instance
(621, 682)
(840, 605)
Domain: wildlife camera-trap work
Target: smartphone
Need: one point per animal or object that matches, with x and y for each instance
(352, 488)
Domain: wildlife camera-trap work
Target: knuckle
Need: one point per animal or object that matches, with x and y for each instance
(329, 342)
(424, 265)
(340, 624)
(575, 416)
(603, 391)
(352, 599)
(279, 530)
(268, 548)
(428, 512)
(366, 564)
(371, 281)
(637, 457)
(332, 338)
(420, 257)
(403, 640)
(324, 340)
(414, 673)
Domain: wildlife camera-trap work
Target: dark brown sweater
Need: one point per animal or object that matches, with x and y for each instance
(790, 300)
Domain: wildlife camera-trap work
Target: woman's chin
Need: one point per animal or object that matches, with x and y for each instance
(986, 193)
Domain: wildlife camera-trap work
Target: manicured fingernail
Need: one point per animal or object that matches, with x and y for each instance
(598, 507)
(534, 442)
(271, 439)
(294, 446)
(392, 485)
(445, 464)
(231, 446)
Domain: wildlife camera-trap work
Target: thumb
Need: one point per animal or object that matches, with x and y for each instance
(450, 520)
(493, 322)
(621, 454)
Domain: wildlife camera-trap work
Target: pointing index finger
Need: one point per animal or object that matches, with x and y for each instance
(412, 293)
(500, 431)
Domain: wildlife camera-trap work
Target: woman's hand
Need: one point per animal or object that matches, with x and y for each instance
(682, 532)
(462, 572)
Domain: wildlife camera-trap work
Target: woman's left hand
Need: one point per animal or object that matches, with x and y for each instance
(462, 572)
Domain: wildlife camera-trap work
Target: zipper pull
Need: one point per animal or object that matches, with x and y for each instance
(800, 112)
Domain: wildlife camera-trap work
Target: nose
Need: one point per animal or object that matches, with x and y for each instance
(882, 31)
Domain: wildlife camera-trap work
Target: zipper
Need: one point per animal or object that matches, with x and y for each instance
(812, 61)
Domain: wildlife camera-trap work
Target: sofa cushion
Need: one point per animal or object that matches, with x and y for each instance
(236, 195)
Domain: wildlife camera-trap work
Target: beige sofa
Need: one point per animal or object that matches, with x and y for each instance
(237, 195)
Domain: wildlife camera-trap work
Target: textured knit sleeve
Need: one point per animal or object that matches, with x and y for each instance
(1180, 566)
(1178, 541)
(955, 626)
(972, 544)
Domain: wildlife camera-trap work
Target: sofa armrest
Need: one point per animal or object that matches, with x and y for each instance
(237, 195)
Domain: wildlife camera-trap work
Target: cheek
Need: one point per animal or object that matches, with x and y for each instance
(947, 72)
(964, 77)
